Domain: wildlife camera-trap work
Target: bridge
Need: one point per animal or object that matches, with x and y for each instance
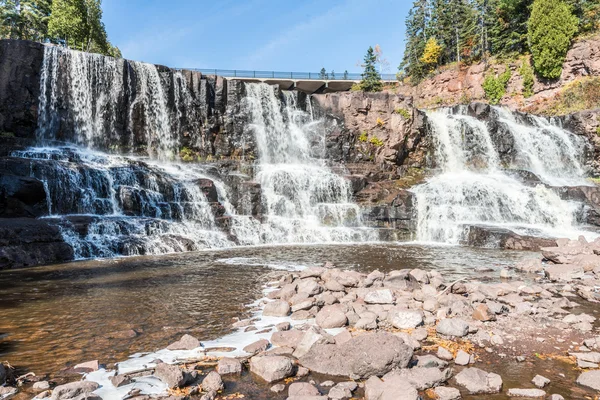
(308, 82)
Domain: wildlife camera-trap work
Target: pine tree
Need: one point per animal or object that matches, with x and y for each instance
(508, 31)
(24, 19)
(323, 74)
(371, 80)
(416, 39)
(551, 28)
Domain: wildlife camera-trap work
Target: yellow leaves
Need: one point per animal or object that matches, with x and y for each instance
(432, 52)
(380, 122)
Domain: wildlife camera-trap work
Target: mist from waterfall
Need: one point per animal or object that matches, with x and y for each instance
(475, 186)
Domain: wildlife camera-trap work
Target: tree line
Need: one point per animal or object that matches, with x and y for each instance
(440, 32)
(74, 23)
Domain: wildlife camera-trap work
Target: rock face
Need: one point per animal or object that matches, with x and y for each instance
(360, 357)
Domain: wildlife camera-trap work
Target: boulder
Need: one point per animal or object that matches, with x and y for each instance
(452, 327)
(342, 391)
(477, 381)
(120, 380)
(540, 381)
(483, 313)
(405, 319)
(212, 382)
(303, 389)
(277, 308)
(311, 336)
(590, 379)
(462, 358)
(394, 388)
(172, 375)
(447, 393)
(187, 342)
(422, 378)
(272, 368)
(361, 357)
(74, 390)
(380, 296)
(88, 366)
(257, 347)
(228, 365)
(332, 316)
(289, 338)
(41, 386)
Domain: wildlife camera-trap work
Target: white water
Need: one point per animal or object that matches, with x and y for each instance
(472, 187)
(304, 201)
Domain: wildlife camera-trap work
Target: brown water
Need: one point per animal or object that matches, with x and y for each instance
(56, 316)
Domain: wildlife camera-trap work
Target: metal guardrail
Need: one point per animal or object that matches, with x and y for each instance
(317, 76)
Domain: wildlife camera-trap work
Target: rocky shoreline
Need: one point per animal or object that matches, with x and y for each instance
(326, 333)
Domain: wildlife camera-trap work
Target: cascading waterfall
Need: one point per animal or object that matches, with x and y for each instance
(475, 187)
(304, 201)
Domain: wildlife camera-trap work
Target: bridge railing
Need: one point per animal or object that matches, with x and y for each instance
(317, 76)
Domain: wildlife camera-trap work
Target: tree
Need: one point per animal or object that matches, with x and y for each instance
(508, 26)
(371, 80)
(552, 25)
(432, 53)
(587, 12)
(323, 73)
(417, 23)
(24, 19)
(346, 75)
(332, 75)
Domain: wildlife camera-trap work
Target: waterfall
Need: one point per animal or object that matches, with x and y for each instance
(304, 201)
(476, 187)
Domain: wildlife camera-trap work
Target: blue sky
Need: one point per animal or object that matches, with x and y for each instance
(280, 35)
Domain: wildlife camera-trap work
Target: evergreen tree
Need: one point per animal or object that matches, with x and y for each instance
(24, 19)
(371, 80)
(332, 75)
(346, 75)
(508, 31)
(588, 14)
(416, 39)
(551, 28)
(323, 73)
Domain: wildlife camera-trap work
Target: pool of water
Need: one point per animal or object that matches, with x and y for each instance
(56, 316)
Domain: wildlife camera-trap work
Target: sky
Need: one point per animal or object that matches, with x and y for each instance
(271, 35)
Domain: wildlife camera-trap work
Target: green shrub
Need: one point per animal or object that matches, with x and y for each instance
(363, 137)
(355, 87)
(526, 73)
(7, 134)
(404, 113)
(188, 155)
(495, 86)
(582, 94)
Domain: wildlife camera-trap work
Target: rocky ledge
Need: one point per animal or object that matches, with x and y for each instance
(326, 333)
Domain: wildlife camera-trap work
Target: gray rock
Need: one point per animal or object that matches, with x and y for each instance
(462, 358)
(422, 378)
(540, 381)
(119, 380)
(477, 381)
(556, 397)
(447, 393)
(289, 338)
(228, 365)
(452, 327)
(395, 388)
(405, 319)
(257, 347)
(310, 287)
(332, 317)
(590, 379)
(430, 361)
(444, 354)
(311, 336)
(277, 308)
(187, 342)
(172, 375)
(41, 386)
(283, 326)
(303, 389)
(367, 321)
(8, 392)
(212, 382)
(530, 393)
(73, 390)
(271, 368)
(342, 391)
(212, 395)
(360, 357)
(280, 387)
(380, 296)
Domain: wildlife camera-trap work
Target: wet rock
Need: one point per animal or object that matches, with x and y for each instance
(41, 386)
(303, 389)
(404, 319)
(540, 381)
(229, 366)
(381, 296)
(452, 327)
(395, 388)
(280, 387)
(74, 390)
(342, 391)
(277, 308)
(271, 368)
(212, 382)
(360, 357)
(477, 381)
(172, 375)
(257, 347)
(187, 342)
(447, 393)
(590, 379)
(120, 380)
(422, 378)
(332, 317)
(530, 393)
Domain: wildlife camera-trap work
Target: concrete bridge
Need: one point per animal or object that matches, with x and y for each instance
(307, 82)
